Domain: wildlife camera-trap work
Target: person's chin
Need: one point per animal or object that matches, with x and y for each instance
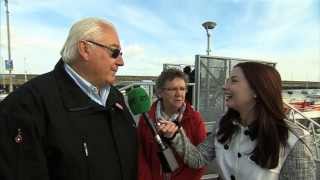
(111, 80)
(179, 104)
(229, 105)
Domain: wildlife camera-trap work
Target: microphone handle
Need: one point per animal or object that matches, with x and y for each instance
(166, 156)
(154, 131)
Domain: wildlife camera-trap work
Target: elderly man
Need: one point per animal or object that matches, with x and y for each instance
(71, 123)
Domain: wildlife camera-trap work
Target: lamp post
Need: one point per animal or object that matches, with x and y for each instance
(9, 47)
(208, 25)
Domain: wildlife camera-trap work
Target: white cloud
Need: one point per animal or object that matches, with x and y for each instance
(144, 21)
(134, 51)
(140, 60)
(281, 31)
(303, 65)
(282, 19)
(38, 44)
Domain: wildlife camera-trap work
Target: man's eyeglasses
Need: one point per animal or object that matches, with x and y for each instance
(115, 52)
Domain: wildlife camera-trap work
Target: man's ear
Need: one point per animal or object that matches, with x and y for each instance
(83, 50)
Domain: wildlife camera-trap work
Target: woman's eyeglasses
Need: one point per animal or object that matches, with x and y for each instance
(183, 89)
(115, 52)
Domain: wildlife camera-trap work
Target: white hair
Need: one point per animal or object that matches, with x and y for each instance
(85, 29)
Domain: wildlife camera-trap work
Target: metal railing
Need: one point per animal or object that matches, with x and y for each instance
(306, 123)
(127, 85)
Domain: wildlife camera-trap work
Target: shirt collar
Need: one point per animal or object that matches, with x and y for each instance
(100, 96)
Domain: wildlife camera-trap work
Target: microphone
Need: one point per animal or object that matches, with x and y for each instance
(139, 103)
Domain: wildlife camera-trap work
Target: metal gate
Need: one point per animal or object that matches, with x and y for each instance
(211, 73)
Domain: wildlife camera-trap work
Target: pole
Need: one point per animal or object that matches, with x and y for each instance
(207, 26)
(25, 70)
(208, 43)
(3, 73)
(9, 46)
(1, 58)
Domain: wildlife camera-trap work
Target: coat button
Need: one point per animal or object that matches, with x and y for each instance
(226, 146)
(233, 177)
(246, 132)
(239, 155)
(252, 157)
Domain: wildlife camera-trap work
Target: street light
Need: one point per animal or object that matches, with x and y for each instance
(208, 25)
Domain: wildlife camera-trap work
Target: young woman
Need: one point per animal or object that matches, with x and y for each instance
(253, 140)
(171, 87)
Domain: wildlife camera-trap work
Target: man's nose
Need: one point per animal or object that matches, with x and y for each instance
(119, 61)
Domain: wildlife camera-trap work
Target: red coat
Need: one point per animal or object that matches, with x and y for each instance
(149, 164)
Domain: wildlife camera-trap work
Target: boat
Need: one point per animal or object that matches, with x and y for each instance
(309, 107)
(313, 96)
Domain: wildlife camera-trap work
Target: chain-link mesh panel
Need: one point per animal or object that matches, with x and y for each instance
(211, 77)
(211, 74)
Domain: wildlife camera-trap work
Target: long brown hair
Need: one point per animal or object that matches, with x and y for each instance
(270, 128)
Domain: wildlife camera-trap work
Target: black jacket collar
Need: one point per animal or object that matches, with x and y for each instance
(73, 97)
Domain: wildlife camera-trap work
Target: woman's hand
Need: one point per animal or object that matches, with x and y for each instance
(167, 128)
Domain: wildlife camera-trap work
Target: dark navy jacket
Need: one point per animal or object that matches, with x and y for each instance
(50, 129)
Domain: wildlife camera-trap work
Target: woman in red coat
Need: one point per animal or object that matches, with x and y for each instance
(171, 87)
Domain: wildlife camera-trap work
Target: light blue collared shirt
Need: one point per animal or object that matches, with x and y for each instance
(98, 96)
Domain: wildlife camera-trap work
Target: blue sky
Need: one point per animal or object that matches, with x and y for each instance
(169, 31)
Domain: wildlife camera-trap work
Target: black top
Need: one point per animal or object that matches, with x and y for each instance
(50, 129)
